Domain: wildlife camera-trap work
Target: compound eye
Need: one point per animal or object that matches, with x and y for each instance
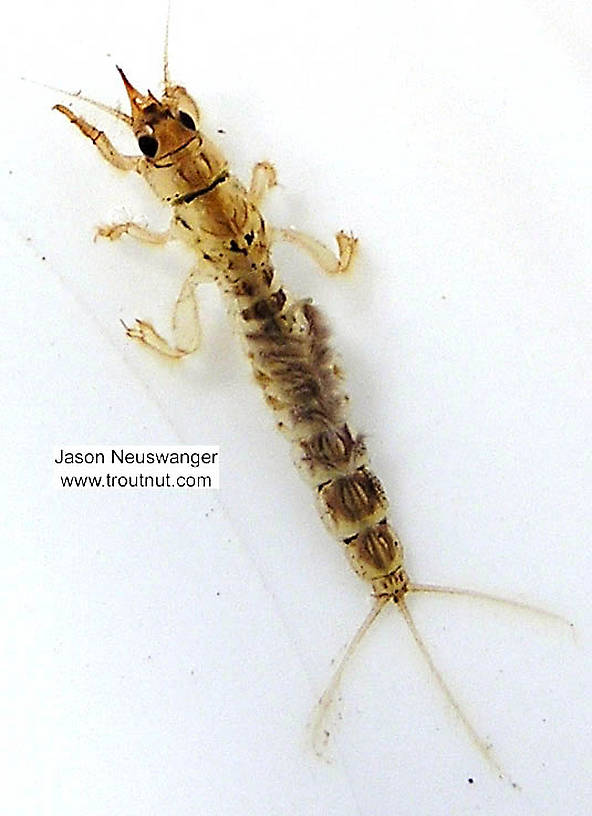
(148, 145)
(186, 120)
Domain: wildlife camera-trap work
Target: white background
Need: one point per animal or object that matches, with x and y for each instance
(161, 652)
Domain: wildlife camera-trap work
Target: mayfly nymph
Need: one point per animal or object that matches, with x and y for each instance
(286, 339)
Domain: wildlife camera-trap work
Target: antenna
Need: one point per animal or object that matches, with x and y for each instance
(124, 117)
(166, 77)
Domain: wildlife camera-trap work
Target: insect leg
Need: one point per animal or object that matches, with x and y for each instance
(263, 178)
(137, 231)
(322, 255)
(186, 326)
(100, 141)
